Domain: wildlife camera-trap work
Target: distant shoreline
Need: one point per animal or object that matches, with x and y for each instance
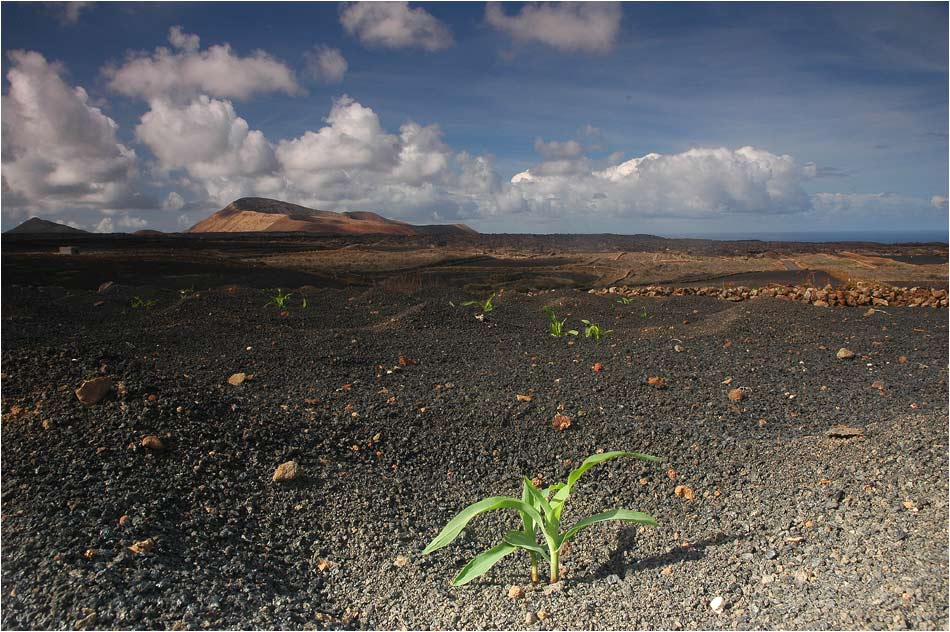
(822, 237)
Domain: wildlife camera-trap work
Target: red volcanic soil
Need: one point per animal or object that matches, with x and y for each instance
(251, 215)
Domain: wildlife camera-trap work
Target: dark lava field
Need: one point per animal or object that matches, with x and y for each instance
(155, 508)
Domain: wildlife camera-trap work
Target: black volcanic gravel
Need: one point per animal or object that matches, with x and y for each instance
(793, 529)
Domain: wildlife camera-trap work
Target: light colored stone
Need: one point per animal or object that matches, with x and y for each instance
(286, 472)
(152, 443)
(717, 604)
(844, 354)
(844, 432)
(237, 379)
(94, 390)
(515, 592)
(143, 546)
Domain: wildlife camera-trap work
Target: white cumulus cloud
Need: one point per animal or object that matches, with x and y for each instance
(699, 182)
(121, 223)
(205, 137)
(58, 149)
(588, 27)
(558, 149)
(67, 12)
(326, 64)
(394, 25)
(188, 71)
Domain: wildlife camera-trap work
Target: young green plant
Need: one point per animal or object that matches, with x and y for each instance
(485, 306)
(594, 331)
(140, 303)
(624, 300)
(556, 327)
(540, 511)
(280, 298)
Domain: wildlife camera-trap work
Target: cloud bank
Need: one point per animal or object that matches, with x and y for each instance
(58, 149)
(394, 25)
(587, 27)
(185, 71)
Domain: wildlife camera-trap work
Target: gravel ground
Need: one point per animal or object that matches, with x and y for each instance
(790, 527)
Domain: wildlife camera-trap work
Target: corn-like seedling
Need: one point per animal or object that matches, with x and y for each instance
(485, 306)
(540, 511)
(186, 292)
(140, 303)
(643, 314)
(556, 327)
(594, 331)
(279, 298)
(624, 300)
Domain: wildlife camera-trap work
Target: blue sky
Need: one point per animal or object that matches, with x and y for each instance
(670, 118)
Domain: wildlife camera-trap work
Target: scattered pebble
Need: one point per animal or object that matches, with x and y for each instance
(684, 492)
(515, 592)
(844, 354)
(152, 443)
(143, 546)
(844, 432)
(237, 379)
(286, 472)
(717, 604)
(561, 422)
(93, 391)
(736, 395)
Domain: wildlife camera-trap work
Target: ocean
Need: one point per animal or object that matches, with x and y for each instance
(882, 237)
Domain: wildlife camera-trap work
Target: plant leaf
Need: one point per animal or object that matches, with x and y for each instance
(572, 332)
(482, 563)
(522, 540)
(456, 524)
(624, 515)
(467, 303)
(557, 503)
(537, 498)
(526, 520)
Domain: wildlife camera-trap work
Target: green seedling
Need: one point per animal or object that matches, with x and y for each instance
(594, 331)
(624, 300)
(486, 306)
(556, 327)
(280, 298)
(186, 292)
(539, 510)
(140, 303)
(303, 305)
(643, 314)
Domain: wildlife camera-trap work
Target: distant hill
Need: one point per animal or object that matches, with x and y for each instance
(253, 215)
(37, 226)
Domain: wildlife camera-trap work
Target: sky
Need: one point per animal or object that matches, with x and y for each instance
(665, 118)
